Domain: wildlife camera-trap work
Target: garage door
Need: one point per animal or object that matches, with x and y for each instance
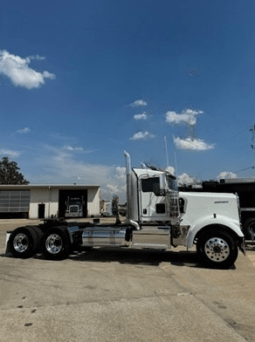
(13, 201)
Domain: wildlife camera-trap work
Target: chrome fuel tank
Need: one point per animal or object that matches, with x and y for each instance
(104, 236)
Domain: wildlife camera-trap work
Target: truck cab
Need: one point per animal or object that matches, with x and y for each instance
(152, 187)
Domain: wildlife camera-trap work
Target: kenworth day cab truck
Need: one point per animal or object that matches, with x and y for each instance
(158, 217)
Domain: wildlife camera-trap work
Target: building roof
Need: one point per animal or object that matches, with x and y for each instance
(48, 186)
(238, 180)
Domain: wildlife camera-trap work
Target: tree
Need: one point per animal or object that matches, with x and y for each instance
(9, 173)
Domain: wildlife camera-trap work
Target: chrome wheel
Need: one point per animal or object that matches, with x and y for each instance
(20, 243)
(217, 249)
(54, 243)
(24, 242)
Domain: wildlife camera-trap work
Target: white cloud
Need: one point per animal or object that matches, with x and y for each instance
(37, 57)
(112, 188)
(142, 116)
(70, 148)
(118, 184)
(24, 130)
(188, 116)
(185, 179)
(138, 103)
(120, 172)
(192, 144)
(10, 153)
(18, 71)
(225, 175)
(170, 169)
(142, 136)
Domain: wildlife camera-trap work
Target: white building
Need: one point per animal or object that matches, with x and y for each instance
(45, 201)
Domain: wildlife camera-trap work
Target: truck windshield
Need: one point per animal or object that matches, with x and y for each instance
(74, 202)
(172, 183)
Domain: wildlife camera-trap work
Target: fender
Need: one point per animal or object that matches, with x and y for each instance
(234, 225)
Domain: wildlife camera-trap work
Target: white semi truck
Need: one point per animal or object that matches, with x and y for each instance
(74, 207)
(158, 217)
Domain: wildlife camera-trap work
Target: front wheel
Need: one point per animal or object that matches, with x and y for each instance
(217, 248)
(56, 245)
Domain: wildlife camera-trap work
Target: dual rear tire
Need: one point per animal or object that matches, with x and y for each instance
(25, 242)
(55, 244)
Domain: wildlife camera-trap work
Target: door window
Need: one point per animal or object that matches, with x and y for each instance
(151, 185)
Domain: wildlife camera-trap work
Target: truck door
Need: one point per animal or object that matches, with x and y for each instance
(152, 203)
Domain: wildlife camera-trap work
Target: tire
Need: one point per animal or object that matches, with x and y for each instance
(23, 242)
(56, 245)
(39, 236)
(249, 229)
(217, 249)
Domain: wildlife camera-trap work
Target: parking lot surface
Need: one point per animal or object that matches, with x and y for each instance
(108, 294)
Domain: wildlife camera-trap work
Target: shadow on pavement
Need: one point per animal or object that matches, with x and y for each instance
(146, 257)
(140, 257)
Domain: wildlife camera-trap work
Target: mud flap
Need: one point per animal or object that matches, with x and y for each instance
(7, 245)
(242, 245)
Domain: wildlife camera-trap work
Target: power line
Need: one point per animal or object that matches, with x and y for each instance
(251, 167)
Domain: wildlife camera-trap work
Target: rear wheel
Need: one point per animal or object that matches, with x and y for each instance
(217, 248)
(23, 242)
(249, 229)
(56, 245)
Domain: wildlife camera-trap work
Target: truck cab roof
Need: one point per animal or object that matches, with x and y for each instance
(151, 173)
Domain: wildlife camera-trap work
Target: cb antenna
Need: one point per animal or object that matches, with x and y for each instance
(176, 165)
(167, 161)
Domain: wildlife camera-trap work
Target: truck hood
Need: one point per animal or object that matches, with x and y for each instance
(203, 204)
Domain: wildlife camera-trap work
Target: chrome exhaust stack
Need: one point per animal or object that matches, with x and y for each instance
(129, 184)
(130, 206)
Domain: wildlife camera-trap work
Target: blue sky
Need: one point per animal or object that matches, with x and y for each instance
(80, 81)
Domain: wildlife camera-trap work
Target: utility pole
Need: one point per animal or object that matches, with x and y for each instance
(253, 146)
(192, 131)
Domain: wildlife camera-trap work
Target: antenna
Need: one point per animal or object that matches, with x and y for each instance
(175, 160)
(167, 161)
